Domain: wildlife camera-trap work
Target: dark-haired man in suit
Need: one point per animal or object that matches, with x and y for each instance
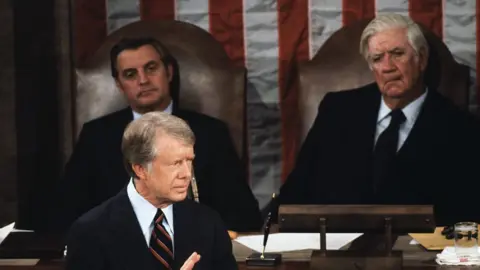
(142, 69)
(392, 142)
(150, 224)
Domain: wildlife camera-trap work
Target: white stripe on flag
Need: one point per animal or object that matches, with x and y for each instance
(459, 32)
(194, 12)
(121, 13)
(325, 19)
(264, 119)
(392, 6)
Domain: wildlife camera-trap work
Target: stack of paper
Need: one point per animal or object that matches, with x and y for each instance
(283, 242)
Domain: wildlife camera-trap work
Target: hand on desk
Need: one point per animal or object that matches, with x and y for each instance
(191, 261)
(448, 232)
(233, 235)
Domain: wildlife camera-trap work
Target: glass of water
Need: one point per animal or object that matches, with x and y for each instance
(466, 239)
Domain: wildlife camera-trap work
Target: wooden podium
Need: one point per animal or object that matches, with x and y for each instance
(372, 220)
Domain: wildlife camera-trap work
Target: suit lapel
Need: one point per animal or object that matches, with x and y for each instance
(364, 123)
(182, 234)
(126, 235)
(369, 111)
(424, 125)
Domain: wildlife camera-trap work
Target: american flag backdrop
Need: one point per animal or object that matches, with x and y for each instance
(268, 37)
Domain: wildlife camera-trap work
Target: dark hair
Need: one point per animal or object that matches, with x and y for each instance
(135, 43)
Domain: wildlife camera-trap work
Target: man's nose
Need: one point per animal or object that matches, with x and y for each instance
(142, 77)
(186, 171)
(387, 65)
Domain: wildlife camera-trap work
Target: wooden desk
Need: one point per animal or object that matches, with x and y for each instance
(415, 258)
(305, 266)
(241, 266)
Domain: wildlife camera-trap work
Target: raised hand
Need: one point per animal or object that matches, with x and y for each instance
(191, 261)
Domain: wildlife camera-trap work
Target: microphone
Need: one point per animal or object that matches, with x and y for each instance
(193, 189)
(266, 259)
(266, 227)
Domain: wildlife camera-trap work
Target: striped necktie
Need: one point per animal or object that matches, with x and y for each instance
(161, 242)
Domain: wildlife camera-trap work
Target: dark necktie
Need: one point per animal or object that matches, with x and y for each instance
(161, 242)
(386, 149)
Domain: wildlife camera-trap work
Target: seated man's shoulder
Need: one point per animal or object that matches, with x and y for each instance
(199, 119)
(97, 216)
(109, 119)
(369, 89)
(451, 114)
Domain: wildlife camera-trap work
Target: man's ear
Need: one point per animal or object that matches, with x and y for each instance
(423, 58)
(140, 171)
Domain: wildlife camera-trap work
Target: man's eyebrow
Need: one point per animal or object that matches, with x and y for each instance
(396, 49)
(128, 69)
(151, 62)
(377, 54)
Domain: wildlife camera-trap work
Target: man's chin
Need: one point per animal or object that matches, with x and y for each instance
(150, 105)
(179, 196)
(146, 107)
(394, 93)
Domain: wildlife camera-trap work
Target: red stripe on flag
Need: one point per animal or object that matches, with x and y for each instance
(293, 45)
(226, 26)
(356, 10)
(429, 13)
(477, 32)
(157, 10)
(90, 27)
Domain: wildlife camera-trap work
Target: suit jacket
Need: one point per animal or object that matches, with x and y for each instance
(435, 165)
(95, 171)
(109, 237)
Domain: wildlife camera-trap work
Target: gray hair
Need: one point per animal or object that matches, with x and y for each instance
(391, 20)
(138, 142)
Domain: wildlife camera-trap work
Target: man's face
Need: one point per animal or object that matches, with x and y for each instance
(396, 66)
(171, 170)
(144, 79)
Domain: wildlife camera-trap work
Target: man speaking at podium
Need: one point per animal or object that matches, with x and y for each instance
(396, 141)
(150, 224)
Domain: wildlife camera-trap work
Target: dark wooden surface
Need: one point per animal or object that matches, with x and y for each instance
(415, 257)
(241, 266)
(364, 218)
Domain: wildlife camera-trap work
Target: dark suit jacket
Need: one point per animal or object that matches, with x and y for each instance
(436, 164)
(110, 237)
(95, 171)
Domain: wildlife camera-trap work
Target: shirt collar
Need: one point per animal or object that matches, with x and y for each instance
(411, 111)
(144, 210)
(168, 110)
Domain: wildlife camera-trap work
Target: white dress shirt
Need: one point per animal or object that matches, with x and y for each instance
(145, 213)
(167, 110)
(411, 112)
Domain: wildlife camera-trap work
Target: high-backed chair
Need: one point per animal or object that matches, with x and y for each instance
(208, 81)
(339, 66)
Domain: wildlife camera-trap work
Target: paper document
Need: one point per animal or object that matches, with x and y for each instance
(281, 242)
(414, 242)
(5, 231)
(19, 262)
